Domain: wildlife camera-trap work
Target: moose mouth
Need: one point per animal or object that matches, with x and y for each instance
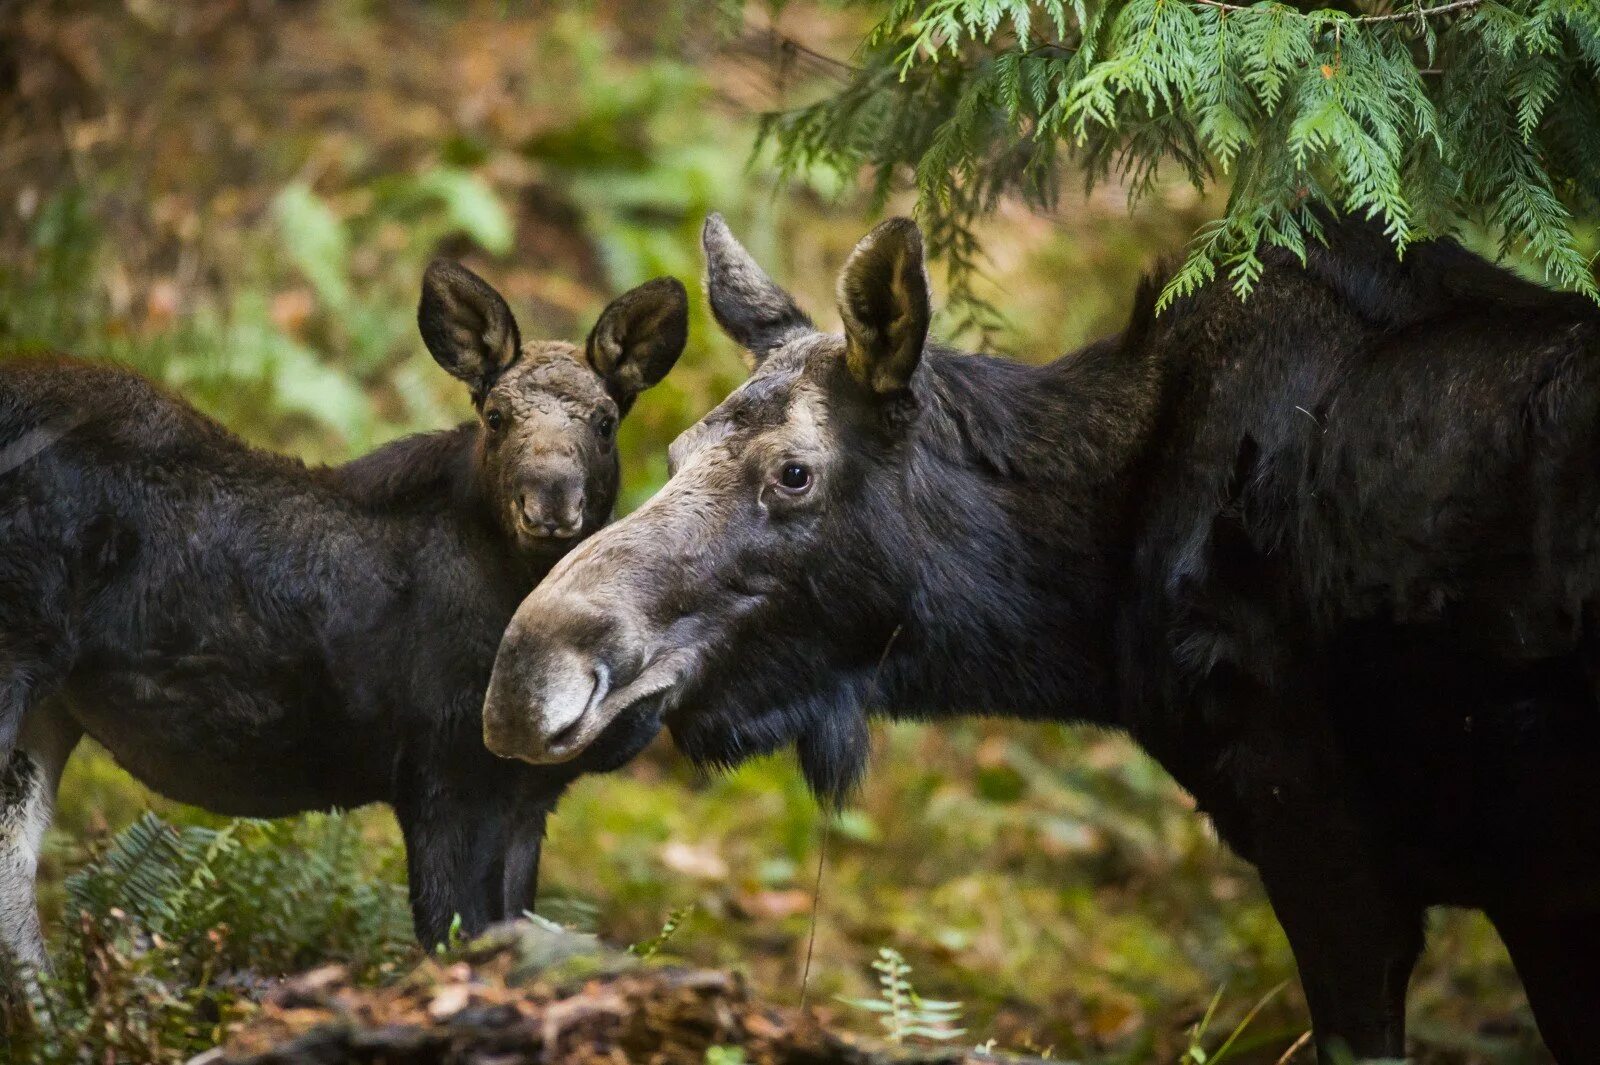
(575, 701)
(535, 537)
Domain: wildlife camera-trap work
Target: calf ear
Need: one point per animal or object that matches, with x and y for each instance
(467, 326)
(883, 298)
(751, 309)
(638, 338)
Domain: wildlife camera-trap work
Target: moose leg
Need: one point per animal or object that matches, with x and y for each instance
(519, 888)
(28, 782)
(24, 815)
(452, 860)
(1355, 949)
(1356, 935)
(1555, 957)
(23, 683)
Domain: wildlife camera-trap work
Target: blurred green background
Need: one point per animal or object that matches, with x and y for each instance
(237, 197)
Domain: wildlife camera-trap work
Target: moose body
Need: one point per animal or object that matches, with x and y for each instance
(1331, 554)
(261, 638)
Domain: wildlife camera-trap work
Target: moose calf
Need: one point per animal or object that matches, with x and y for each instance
(1331, 554)
(259, 638)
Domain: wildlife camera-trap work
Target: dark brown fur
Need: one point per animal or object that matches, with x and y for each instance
(1332, 555)
(259, 638)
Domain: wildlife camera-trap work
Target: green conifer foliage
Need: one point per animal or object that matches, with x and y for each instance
(1426, 116)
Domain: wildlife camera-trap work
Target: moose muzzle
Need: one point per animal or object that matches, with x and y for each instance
(561, 677)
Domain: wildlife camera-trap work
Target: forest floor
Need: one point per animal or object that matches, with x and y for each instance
(535, 993)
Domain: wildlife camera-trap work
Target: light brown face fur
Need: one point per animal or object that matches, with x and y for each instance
(547, 461)
(726, 473)
(549, 446)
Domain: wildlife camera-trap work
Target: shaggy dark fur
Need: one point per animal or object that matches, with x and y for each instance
(1332, 555)
(259, 638)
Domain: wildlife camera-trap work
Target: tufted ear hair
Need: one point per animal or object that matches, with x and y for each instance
(467, 326)
(639, 337)
(883, 298)
(752, 310)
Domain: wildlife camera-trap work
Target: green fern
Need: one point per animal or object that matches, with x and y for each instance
(903, 1013)
(161, 919)
(157, 874)
(649, 948)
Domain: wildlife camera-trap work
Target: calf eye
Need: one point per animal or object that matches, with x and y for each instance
(605, 426)
(494, 420)
(794, 477)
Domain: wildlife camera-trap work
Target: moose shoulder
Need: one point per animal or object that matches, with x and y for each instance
(1331, 554)
(260, 638)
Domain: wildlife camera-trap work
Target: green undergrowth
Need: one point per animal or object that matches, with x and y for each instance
(165, 933)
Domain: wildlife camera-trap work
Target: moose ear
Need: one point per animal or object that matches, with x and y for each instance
(467, 326)
(638, 338)
(883, 298)
(751, 309)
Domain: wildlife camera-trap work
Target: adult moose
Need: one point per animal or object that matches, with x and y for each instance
(259, 638)
(1331, 554)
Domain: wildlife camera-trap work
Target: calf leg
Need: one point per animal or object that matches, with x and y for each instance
(28, 783)
(24, 815)
(1556, 959)
(454, 865)
(520, 883)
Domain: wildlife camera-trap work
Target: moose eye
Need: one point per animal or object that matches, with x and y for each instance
(794, 477)
(494, 420)
(606, 426)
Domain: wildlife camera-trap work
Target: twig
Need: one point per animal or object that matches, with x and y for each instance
(789, 44)
(1394, 16)
(816, 903)
(782, 42)
(827, 833)
(1295, 1047)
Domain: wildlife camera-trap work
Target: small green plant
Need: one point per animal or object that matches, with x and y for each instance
(1196, 1053)
(720, 1055)
(452, 937)
(903, 1013)
(652, 946)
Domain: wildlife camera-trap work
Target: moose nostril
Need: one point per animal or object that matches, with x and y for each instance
(554, 510)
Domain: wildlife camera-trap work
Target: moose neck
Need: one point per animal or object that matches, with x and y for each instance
(425, 470)
(1018, 503)
(439, 475)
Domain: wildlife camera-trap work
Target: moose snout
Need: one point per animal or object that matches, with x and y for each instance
(551, 510)
(547, 692)
(537, 709)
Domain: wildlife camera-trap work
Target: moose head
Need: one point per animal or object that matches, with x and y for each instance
(837, 534)
(547, 460)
